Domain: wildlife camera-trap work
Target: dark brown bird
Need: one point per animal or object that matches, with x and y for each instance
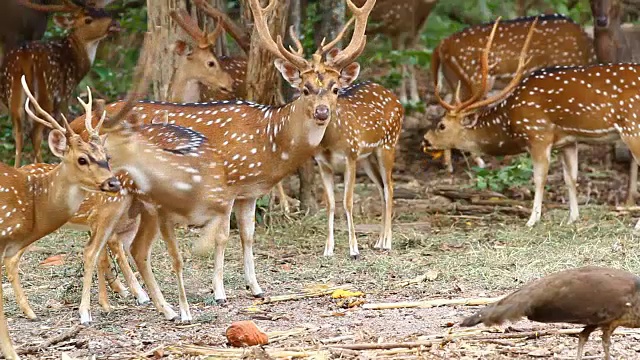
(594, 296)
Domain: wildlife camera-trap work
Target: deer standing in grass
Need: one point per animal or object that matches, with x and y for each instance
(258, 144)
(558, 41)
(615, 45)
(402, 21)
(34, 206)
(552, 108)
(53, 68)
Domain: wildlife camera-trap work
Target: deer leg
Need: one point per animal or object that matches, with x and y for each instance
(583, 337)
(570, 172)
(110, 274)
(167, 229)
(5, 339)
(370, 165)
(541, 158)
(16, 114)
(634, 146)
(104, 272)
(606, 340)
(386, 159)
(397, 44)
(218, 230)
(448, 163)
(632, 193)
(36, 140)
(349, 184)
(141, 253)
(124, 239)
(12, 267)
(284, 200)
(326, 174)
(245, 210)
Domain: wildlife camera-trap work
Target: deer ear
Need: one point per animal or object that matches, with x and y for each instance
(103, 139)
(57, 143)
(332, 53)
(65, 22)
(289, 72)
(470, 120)
(180, 47)
(349, 74)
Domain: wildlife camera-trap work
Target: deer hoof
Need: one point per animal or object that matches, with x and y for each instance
(355, 257)
(259, 296)
(221, 302)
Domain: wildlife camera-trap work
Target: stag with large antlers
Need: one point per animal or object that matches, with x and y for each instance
(36, 205)
(552, 108)
(557, 41)
(54, 68)
(258, 144)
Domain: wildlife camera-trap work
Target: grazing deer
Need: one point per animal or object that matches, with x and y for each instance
(366, 129)
(53, 68)
(33, 206)
(552, 108)
(252, 138)
(557, 41)
(402, 21)
(613, 44)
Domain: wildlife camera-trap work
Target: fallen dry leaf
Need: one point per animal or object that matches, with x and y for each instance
(341, 294)
(55, 260)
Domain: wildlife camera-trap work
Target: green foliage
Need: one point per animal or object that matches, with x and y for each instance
(518, 173)
(308, 27)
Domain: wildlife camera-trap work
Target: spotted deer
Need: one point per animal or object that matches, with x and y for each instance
(552, 108)
(557, 41)
(366, 130)
(33, 206)
(259, 144)
(402, 22)
(53, 68)
(613, 44)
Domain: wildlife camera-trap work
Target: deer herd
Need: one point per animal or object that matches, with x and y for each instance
(135, 169)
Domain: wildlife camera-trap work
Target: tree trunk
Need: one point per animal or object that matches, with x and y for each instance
(209, 24)
(164, 34)
(333, 18)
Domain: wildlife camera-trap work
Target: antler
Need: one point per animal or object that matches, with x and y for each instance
(358, 39)
(50, 122)
(66, 6)
(240, 36)
(94, 133)
(523, 61)
(322, 49)
(276, 48)
(140, 84)
(190, 26)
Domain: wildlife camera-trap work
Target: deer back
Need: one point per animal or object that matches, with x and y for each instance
(557, 41)
(396, 18)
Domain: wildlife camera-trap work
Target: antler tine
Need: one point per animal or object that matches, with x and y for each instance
(140, 84)
(50, 122)
(100, 104)
(522, 64)
(215, 34)
(239, 34)
(276, 48)
(444, 104)
(484, 68)
(93, 132)
(67, 6)
(296, 40)
(355, 47)
(324, 48)
(188, 24)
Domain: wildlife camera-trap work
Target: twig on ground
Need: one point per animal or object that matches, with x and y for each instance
(301, 295)
(431, 303)
(336, 339)
(51, 341)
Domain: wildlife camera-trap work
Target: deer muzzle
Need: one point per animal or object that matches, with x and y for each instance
(321, 114)
(602, 21)
(114, 27)
(111, 185)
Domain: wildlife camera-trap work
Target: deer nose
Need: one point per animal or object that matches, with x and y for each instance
(602, 21)
(110, 185)
(115, 26)
(321, 113)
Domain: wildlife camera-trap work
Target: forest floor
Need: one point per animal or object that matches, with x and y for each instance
(440, 251)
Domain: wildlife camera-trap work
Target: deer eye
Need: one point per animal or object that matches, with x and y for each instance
(88, 21)
(305, 91)
(211, 64)
(335, 90)
(82, 161)
(441, 126)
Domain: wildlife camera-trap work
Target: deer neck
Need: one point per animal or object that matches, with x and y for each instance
(492, 134)
(184, 89)
(83, 53)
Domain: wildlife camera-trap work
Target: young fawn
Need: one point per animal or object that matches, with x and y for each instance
(53, 68)
(557, 41)
(552, 108)
(36, 205)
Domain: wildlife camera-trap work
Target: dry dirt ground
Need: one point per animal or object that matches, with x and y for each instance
(453, 254)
